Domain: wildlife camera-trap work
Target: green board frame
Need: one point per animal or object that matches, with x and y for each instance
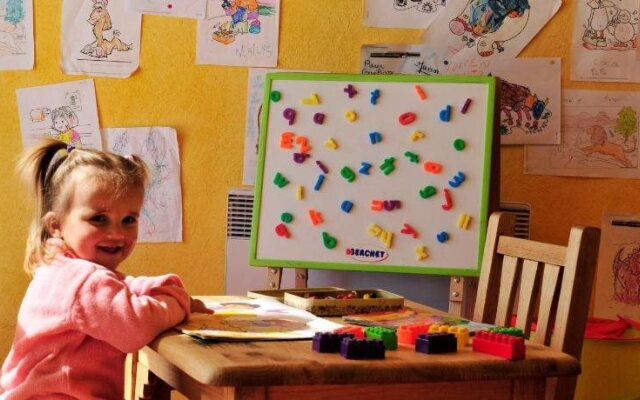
(385, 228)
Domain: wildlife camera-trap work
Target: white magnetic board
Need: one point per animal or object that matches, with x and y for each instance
(373, 173)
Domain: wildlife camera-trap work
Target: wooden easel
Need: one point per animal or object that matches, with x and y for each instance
(462, 290)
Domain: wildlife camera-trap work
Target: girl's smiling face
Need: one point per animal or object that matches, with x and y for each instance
(61, 124)
(98, 227)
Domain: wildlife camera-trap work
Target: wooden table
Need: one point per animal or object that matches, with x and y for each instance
(291, 370)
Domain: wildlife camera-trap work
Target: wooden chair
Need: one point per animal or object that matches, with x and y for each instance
(558, 279)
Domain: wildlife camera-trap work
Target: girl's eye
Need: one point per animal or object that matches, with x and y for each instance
(130, 220)
(98, 218)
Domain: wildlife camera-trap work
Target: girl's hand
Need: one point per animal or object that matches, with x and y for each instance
(197, 306)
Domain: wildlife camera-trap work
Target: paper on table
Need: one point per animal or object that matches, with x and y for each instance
(255, 319)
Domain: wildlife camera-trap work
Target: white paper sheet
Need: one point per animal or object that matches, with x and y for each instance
(530, 100)
(239, 32)
(100, 38)
(599, 137)
(617, 290)
(16, 34)
(65, 111)
(417, 14)
(161, 215)
(387, 59)
(604, 41)
(472, 29)
(172, 8)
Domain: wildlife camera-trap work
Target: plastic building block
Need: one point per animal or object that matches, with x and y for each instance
(362, 349)
(499, 344)
(461, 333)
(508, 331)
(407, 334)
(436, 343)
(356, 331)
(327, 342)
(388, 336)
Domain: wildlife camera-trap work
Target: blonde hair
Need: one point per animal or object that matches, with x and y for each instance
(51, 172)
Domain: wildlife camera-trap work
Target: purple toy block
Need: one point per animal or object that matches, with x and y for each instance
(437, 343)
(362, 349)
(328, 342)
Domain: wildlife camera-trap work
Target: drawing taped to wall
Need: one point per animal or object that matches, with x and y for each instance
(161, 214)
(599, 138)
(373, 172)
(239, 32)
(16, 34)
(65, 111)
(617, 289)
(487, 28)
(100, 37)
(605, 41)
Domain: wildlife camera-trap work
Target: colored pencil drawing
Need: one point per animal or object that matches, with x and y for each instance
(610, 26)
(161, 214)
(101, 23)
(599, 138)
(65, 111)
(255, 319)
(12, 27)
(240, 17)
(518, 101)
(625, 273)
(489, 24)
(63, 120)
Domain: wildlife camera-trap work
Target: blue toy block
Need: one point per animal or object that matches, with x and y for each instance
(362, 349)
(437, 343)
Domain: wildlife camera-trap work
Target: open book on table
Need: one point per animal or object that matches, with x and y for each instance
(255, 319)
(408, 316)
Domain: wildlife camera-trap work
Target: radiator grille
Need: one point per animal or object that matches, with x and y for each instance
(240, 208)
(522, 212)
(239, 211)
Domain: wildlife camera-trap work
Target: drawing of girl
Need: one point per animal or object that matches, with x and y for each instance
(63, 121)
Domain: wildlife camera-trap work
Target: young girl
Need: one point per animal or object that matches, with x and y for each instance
(79, 315)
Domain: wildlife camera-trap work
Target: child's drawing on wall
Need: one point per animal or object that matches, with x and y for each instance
(100, 20)
(243, 17)
(609, 26)
(239, 32)
(477, 29)
(599, 137)
(626, 275)
(63, 120)
(617, 283)
(100, 38)
(12, 27)
(517, 101)
(161, 213)
(65, 111)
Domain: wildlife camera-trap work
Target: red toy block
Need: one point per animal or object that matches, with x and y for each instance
(498, 344)
(357, 331)
(407, 334)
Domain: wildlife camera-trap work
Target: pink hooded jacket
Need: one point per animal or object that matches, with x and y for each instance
(77, 321)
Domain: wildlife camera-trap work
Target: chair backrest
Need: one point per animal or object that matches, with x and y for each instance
(556, 279)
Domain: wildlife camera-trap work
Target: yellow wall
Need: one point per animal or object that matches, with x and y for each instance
(206, 104)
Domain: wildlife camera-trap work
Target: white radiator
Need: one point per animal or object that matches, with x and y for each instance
(240, 277)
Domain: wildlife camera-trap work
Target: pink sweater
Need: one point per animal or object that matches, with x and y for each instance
(77, 321)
